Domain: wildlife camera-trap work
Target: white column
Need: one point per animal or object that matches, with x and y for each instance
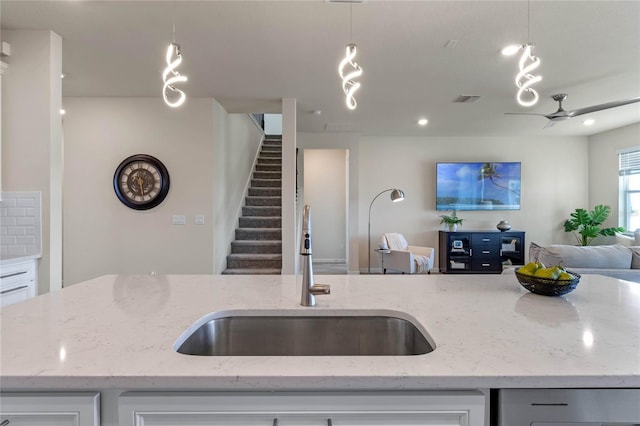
(3, 67)
(32, 142)
(289, 223)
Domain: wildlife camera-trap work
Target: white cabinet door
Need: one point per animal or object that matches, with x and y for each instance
(50, 408)
(463, 408)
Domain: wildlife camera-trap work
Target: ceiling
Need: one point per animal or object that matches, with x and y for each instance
(250, 54)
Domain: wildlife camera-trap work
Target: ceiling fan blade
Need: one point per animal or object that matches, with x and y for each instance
(525, 113)
(600, 107)
(549, 124)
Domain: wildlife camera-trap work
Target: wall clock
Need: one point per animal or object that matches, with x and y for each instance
(141, 182)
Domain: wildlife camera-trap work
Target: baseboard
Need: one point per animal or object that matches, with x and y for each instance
(330, 261)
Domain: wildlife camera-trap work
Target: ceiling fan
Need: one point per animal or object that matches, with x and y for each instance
(561, 114)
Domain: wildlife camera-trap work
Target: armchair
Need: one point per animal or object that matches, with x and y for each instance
(405, 258)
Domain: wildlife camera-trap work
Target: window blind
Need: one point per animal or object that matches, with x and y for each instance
(629, 163)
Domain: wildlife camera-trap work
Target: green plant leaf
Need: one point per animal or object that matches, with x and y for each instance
(610, 232)
(580, 217)
(599, 214)
(570, 225)
(587, 224)
(590, 231)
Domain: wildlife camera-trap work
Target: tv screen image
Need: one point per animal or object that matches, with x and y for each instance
(478, 186)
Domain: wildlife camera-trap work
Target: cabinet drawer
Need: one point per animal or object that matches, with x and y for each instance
(485, 265)
(50, 408)
(481, 252)
(15, 294)
(17, 282)
(302, 409)
(487, 239)
(17, 272)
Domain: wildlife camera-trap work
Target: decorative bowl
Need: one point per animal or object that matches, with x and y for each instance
(548, 286)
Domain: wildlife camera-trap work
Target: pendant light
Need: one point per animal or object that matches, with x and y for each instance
(349, 84)
(527, 64)
(173, 96)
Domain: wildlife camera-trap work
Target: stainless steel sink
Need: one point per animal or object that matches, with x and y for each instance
(352, 333)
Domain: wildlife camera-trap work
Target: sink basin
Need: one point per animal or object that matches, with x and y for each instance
(296, 333)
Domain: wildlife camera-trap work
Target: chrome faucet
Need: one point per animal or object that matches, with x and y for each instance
(309, 289)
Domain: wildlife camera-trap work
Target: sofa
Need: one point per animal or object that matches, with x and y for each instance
(615, 260)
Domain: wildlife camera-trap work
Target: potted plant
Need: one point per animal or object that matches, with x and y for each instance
(586, 224)
(451, 221)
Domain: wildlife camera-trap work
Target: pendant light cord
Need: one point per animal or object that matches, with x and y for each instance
(174, 21)
(528, 22)
(351, 22)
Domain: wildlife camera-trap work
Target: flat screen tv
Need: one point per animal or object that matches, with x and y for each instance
(478, 186)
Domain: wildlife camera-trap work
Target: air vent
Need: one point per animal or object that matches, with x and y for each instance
(466, 99)
(346, 1)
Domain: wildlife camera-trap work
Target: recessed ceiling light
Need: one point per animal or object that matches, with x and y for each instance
(62, 112)
(61, 75)
(510, 50)
(423, 121)
(589, 122)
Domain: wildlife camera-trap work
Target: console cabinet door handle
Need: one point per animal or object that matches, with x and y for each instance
(5, 423)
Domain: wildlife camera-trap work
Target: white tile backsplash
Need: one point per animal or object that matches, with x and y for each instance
(20, 224)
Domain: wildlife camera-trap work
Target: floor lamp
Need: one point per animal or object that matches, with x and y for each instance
(396, 195)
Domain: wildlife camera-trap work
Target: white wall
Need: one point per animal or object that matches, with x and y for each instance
(603, 168)
(554, 182)
(102, 235)
(273, 124)
(32, 137)
(325, 190)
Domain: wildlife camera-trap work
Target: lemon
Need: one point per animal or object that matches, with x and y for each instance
(528, 269)
(551, 273)
(566, 277)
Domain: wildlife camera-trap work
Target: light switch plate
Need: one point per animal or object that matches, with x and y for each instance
(199, 219)
(178, 219)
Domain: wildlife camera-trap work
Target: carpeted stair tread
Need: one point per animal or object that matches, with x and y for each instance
(257, 248)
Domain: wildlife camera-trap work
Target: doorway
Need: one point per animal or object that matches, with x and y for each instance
(325, 185)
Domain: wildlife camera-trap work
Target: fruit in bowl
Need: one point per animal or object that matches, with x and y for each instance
(549, 281)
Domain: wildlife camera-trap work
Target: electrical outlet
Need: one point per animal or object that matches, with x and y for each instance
(199, 219)
(178, 219)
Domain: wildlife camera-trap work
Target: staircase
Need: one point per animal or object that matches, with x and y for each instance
(257, 249)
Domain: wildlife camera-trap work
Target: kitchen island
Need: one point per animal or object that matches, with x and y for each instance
(117, 333)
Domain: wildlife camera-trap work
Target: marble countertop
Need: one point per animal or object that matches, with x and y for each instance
(118, 332)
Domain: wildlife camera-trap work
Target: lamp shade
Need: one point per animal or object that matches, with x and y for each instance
(397, 195)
